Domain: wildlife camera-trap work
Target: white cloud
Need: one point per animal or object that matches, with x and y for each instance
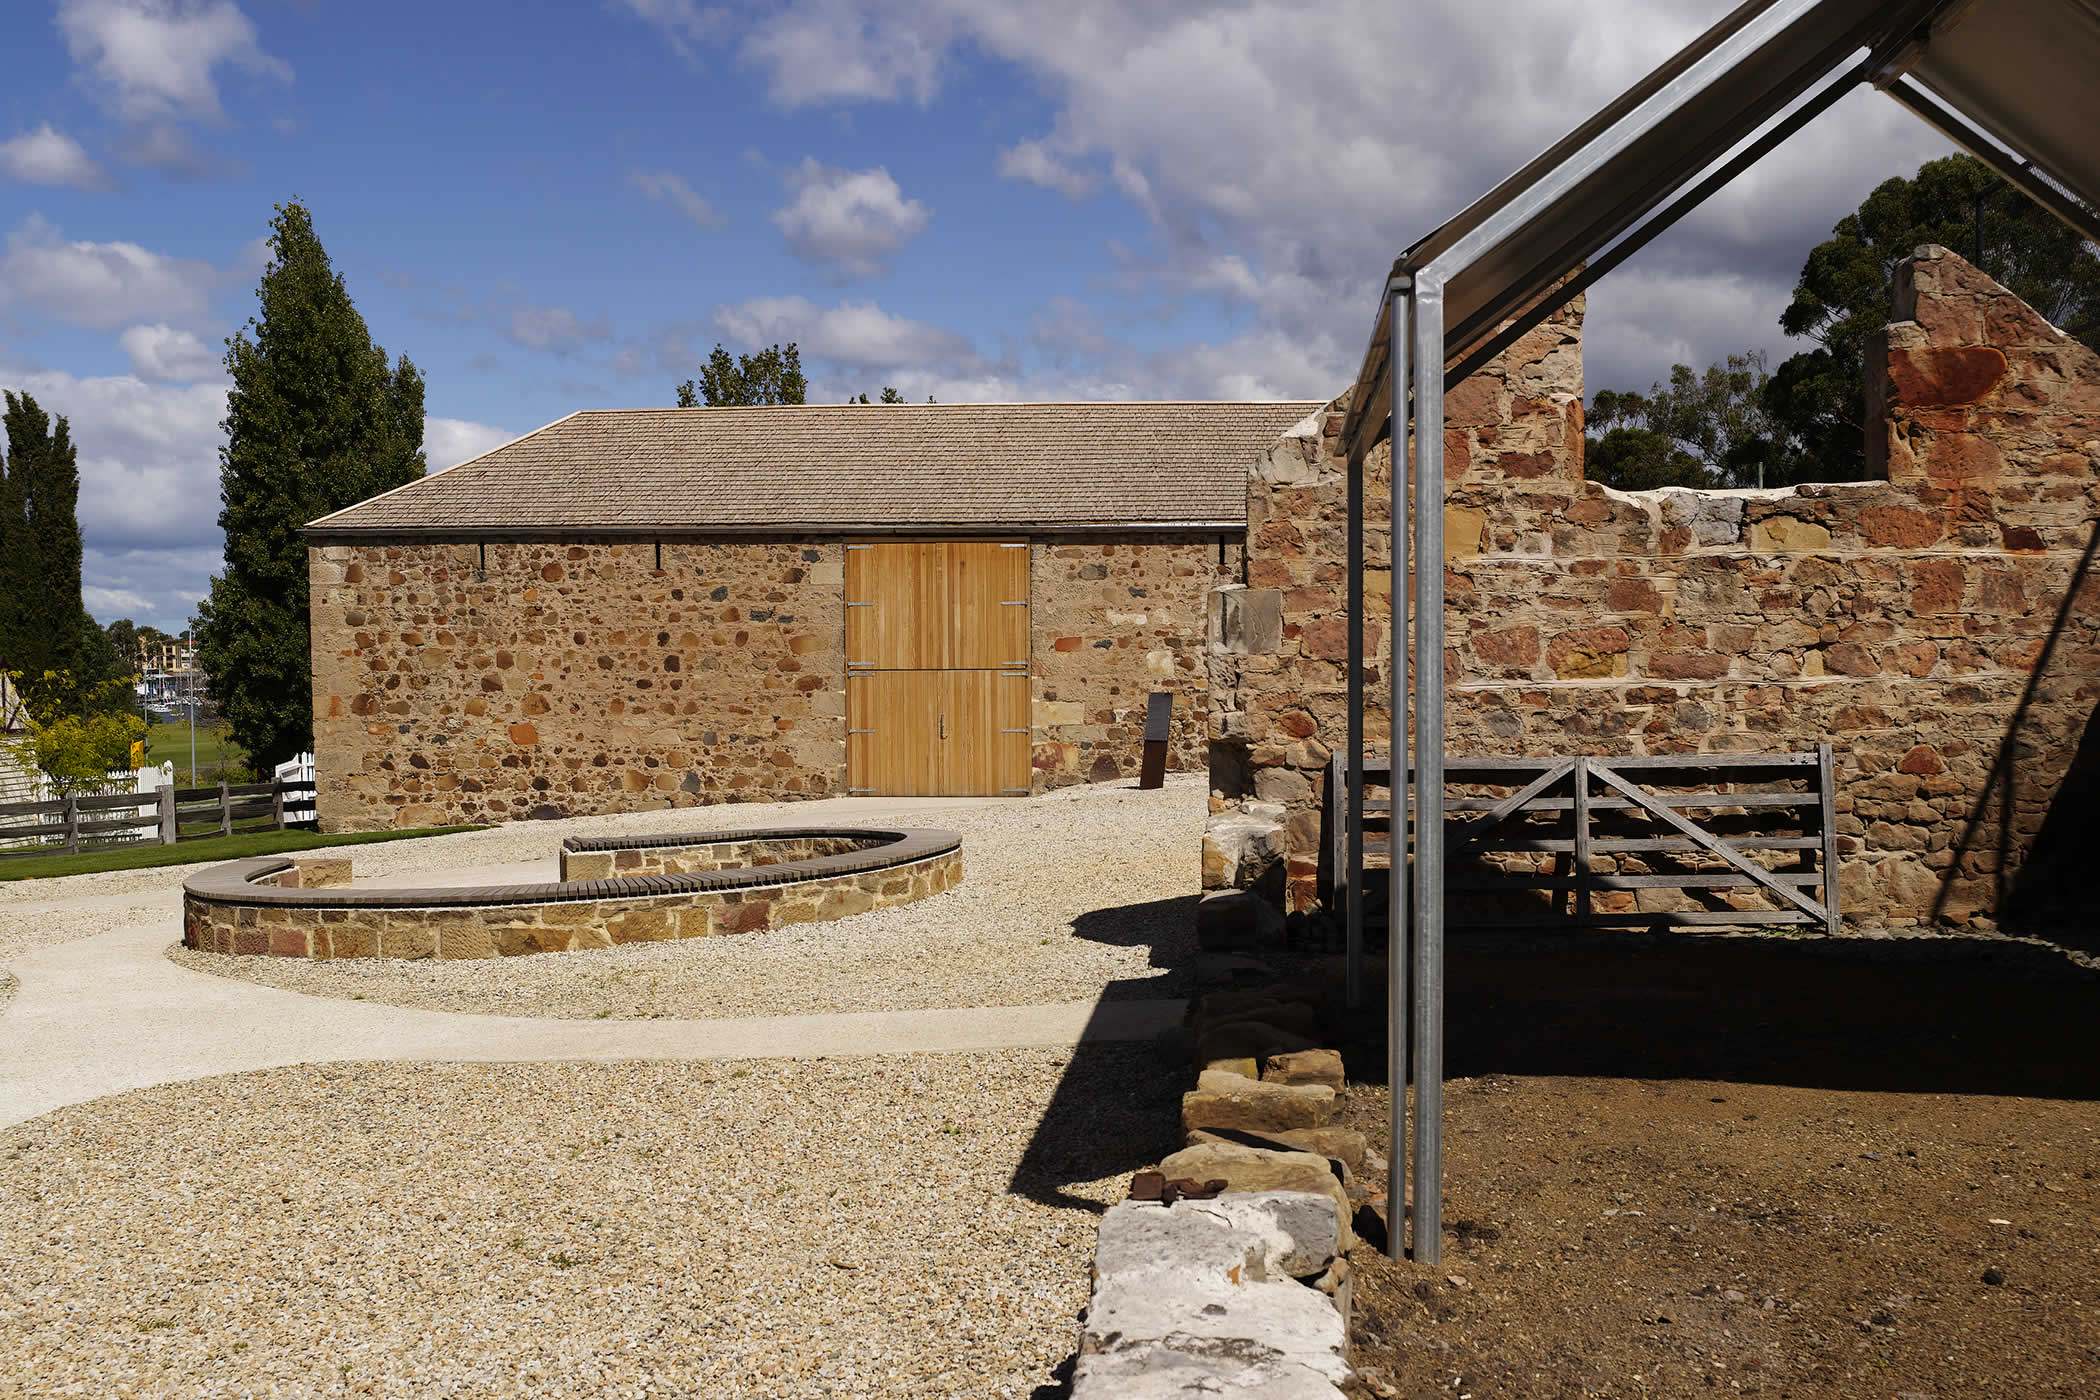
(164, 353)
(157, 587)
(100, 286)
(826, 49)
(149, 484)
(152, 60)
(667, 188)
(149, 456)
(151, 64)
(849, 220)
(47, 156)
(554, 328)
(1036, 163)
(858, 334)
(684, 22)
(449, 441)
(1281, 158)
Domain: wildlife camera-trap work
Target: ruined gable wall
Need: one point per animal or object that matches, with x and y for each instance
(1907, 622)
(573, 677)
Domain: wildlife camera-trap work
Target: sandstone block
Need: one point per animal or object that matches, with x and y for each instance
(1305, 1067)
(1344, 1145)
(1465, 531)
(1230, 1101)
(1787, 534)
(1245, 1066)
(1245, 1169)
(1233, 919)
(1245, 621)
(1251, 1040)
(331, 872)
(407, 937)
(466, 938)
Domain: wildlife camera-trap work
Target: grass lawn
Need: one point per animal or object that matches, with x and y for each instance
(211, 848)
(216, 753)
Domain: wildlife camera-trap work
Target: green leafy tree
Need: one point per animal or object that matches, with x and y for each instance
(771, 375)
(1698, 430)
(316, 421)
(1641, 459)
(1843, 297)
(123, 637)
(75, 732)
(18, 583)
(889, 395)
(43, 626)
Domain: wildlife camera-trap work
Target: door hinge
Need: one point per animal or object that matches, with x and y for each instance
(1013, 602)
(1003, 731)
(860, 605)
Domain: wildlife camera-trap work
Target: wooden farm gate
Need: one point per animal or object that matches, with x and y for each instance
(937, 651)
(1585, 841)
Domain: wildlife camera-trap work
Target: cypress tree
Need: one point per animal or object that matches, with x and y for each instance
(16, 578)
(316, 421)
(45, 620)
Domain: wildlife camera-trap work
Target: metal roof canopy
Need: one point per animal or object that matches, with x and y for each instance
(2016, 82)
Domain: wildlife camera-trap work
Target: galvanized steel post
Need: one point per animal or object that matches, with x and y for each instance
(1351, 807)
(1428, 1017)
(1396, 1023)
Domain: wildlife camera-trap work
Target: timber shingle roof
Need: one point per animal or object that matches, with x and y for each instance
(915, 466)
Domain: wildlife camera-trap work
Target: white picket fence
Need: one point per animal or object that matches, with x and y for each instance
(299, 770)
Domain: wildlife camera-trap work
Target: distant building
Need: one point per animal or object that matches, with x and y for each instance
(667, 607)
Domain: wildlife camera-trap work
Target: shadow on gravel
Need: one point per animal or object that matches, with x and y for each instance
(1116, 1110)
(1947, 1014)
(1166, 926)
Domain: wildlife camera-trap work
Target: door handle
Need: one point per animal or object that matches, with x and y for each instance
(944, 724)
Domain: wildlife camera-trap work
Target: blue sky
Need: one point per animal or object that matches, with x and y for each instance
(559, 206)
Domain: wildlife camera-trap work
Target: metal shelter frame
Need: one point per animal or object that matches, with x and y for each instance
(1471, 289)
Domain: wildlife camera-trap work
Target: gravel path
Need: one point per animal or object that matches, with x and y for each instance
(1062, 896)
(781, 1228)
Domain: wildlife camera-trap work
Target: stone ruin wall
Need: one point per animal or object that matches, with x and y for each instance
(456, 682)
(1937, 628)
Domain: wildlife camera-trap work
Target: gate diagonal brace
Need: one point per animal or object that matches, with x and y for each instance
(1476, 830)
(1707, 842)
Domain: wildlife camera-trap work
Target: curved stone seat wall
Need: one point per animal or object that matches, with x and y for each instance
(683, 886)
(609, 857)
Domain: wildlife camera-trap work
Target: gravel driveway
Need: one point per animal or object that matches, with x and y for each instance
(1063, 896)
(782, 1228)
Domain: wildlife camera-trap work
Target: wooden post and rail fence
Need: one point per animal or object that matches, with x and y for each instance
(162, 815)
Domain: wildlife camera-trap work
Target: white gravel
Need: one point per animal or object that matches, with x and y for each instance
(782, 1228)
(1088, 891)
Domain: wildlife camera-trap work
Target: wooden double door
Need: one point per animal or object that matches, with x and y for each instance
(937, 689)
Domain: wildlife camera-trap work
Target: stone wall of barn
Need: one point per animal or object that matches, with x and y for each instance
(1938, 627)
(1115, 621)
(457, 682)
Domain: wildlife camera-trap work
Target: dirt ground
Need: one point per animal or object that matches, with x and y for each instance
(1754, 1167)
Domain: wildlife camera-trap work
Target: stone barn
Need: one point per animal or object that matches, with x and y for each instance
(1938, 626)
(661, 607)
